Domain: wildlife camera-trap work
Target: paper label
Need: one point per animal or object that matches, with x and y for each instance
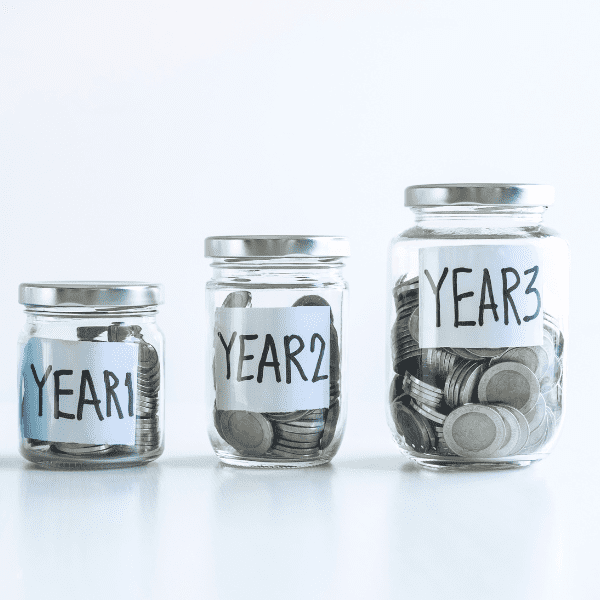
(272, 359)
(480, 296)
(79, 392)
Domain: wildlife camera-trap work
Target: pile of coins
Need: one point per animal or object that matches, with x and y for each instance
(147, 429)
(296, 436)
(472, 402)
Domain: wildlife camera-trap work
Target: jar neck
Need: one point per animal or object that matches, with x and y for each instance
(476, 217)
(232, 267)
(91, 312)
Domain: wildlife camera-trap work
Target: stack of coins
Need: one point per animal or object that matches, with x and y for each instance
(147, 432)
(478, 402)
(426, 399)
(297, 435)
(298, 438)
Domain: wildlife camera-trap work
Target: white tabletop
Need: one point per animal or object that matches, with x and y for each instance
(369, 525)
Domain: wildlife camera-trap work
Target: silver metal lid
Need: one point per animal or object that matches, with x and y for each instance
(243, 246)
(443, 194)
(91, 293)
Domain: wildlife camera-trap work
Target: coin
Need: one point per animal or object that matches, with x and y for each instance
(299, 437)
(487, 352)
(426, 414)
(241, 299)
(292, 444)
(429, 412)
(413, 325)
(284, 417)
(434, 391)
(414, 428)
(286, 428)
(89, 333)
(523, 427)
(81, 449)
(534, 358)
(552, 376)
(311, 300)
(537, 435)
(450, 387)
(284, 452)
(474, 431)
(509, 383)
(513, 432)
(147, 355)
(248, 432)
(536, 415)
(464, 353)
(468, 384)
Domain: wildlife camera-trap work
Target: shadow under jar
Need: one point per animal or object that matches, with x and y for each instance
(478, 301)
(276, 328)
(91, 374)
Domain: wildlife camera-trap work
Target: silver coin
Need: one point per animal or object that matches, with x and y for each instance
(425, 386)
(449, 384)
(413, 325)
(430, 412)
(81, 449)
(537, 435)
(241, 299)
(469, 383)
(487, 352)
(523, 427)
(552, 376)
(425, 414)
(299, 437)
(281, 452)
(286, 417)
(534, 358)
(297, 451)
(513, 432)
(247, 432)
(536, 415)
(413, 390)
(464, 353)
(452, 397)
(433, 404)
(306, 424)
(509, 383)
(291, 444)
(416, 430)
(474, 431)
(286, 428)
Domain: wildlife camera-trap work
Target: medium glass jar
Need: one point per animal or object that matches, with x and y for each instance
(478, 303)
(91, 374)
(276, 391)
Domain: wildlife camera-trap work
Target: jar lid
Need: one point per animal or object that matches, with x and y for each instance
(91, 293)
(443, 194)
(242, 246)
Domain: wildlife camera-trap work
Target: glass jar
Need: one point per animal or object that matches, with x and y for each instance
(478, 301)
(276, 360)
(91, 374)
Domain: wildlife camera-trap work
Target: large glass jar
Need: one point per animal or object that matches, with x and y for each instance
(91, 374)
(478, 302)
(276, 385)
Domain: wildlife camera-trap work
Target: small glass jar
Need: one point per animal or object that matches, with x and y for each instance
(478, 302)
(91, 374)
(276, 359)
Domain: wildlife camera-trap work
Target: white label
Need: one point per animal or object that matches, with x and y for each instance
(480, 296)
(272, 359)
(79, 392)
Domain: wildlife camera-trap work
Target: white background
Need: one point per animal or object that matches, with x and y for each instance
(130, 131)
